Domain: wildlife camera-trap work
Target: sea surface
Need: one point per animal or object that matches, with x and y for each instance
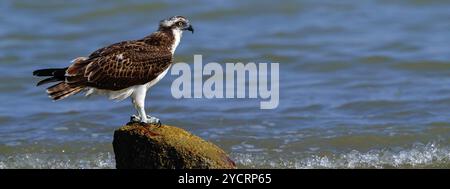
(363, 84)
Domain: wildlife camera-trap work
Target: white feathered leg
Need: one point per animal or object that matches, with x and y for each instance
(138, 100)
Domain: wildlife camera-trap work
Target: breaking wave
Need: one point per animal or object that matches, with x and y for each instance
(419, 156)
(46, 161)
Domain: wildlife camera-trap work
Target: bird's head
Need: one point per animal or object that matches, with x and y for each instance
(176, 23)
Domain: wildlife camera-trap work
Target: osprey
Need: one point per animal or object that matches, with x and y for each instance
(121, 70)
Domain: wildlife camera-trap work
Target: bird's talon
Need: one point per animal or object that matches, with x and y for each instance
(135, 118)
(153, 121)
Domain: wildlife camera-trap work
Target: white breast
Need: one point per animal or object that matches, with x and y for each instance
(157, 79)
(177, 35)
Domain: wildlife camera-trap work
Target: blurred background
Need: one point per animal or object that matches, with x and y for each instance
(363, 84)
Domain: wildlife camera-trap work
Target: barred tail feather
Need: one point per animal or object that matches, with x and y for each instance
(48, 80)
(62, 90)
(55, 72)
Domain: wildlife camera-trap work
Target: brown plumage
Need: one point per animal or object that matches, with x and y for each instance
(115, 67)
(121, 70)
(123, 64)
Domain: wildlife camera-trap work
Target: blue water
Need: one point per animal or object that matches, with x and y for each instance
(363, 84)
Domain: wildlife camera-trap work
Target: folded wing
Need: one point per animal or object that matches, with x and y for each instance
(120, 66)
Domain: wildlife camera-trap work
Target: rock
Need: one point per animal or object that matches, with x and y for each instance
(165, 147)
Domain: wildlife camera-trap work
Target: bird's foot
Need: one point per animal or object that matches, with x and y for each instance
(153, 120)
(148, 120)
(135, 118)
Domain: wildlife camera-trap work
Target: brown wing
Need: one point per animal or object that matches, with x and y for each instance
(120, 66)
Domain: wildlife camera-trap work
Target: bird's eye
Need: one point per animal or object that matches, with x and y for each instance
(180, 23)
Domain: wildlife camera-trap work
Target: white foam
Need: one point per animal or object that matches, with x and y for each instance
(59, 161)
(419, 156)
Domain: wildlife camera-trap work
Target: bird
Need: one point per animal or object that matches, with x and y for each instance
(121, 70)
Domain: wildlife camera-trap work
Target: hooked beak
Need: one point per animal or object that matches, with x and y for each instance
(190, 28)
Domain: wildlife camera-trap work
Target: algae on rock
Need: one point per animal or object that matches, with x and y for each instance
(165, 147)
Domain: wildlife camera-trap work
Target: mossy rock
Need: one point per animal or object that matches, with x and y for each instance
(140, 146)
